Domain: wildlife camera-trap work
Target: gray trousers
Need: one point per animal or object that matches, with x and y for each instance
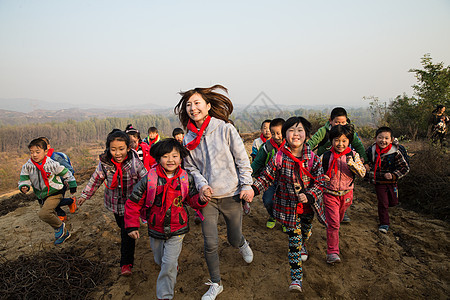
(231, 209)
(166, 254)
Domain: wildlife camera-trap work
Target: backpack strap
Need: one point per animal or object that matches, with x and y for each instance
(326, 161)
(152, 184)
(184, 181)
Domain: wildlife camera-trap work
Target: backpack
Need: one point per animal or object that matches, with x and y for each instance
(66, 160)
(152, 184)
(326, 160)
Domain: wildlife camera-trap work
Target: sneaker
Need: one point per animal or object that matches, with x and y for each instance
(333, 258)
(246, 207)
(270, 223)
(125, 270)
(346, 218)
(304, 253)
(295, 286)
(73, 206)
(246, 252)
(383, 228)
(62, 238)
(63, 218)
(59, 232)
(284, 228)
(214, 290)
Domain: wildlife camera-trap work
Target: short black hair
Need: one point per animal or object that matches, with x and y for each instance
(177, 131)
(152, 129)
(295, 121)
(40, 143)
(338, 130)
(264, 122)
(276, 122)
(116, 135)
(338, 112)
(45, 139)
(384, 129)
(166, 146)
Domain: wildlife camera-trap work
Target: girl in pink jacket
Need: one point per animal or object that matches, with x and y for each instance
(340, 164)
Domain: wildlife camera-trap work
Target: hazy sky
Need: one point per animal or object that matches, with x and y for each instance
(297, 52)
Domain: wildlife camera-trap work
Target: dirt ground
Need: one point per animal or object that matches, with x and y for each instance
(410, 262)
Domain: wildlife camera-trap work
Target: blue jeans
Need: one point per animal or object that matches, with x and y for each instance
(267, 199)
(166, 253)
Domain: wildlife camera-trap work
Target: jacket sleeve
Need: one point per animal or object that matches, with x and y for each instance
(241, 160)
(359, 147)
(189, 166)
(357, 166)
(259, 161)
(94, 183)
(266, 179)
(67, 176)
(193, 199)
(24, 177)
(254, 150)
(134, 204)
(401, 166)
(317, 137)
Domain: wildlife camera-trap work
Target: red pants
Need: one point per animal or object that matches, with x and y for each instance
(335, 207)
(387, 195)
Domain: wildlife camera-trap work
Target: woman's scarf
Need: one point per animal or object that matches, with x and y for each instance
(191, 127)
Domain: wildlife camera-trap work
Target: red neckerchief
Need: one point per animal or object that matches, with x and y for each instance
(169, 181)
(151, 142)
(302, 170)
(334, 163)
(43, 173)
(190, 126)
(50, 152)
(275, 145)
(262, 138)
(115, 181)
(378, 160)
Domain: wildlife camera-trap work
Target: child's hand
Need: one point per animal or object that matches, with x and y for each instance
(367, 167)
(388, 176)
(24, 189)
(205, 193)
(303, 198)
(326, 178)
(247, 196)
(134, 234)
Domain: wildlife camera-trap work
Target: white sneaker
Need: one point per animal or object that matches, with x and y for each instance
(296, 286)
(246, 252)
(214, 290)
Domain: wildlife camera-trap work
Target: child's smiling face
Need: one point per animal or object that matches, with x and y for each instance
(383, 139)
(266, 131)
(340, 143)
(276, 134)
(339, 120)
(296, 136)
(38, 154)
(170, 161)
(118, 150)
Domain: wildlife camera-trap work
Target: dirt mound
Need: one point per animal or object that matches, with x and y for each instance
(18, 200)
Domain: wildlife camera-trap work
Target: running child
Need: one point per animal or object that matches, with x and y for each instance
(298, 194)
(340, 165)
(63, 160)
(221, 170)
(120, 169)
(153, 136)
(161, 198)
(44, 175)
(320, 140)
(142, 149)
(264, 155)
(385, 166)
(264, 136)
(178, 134)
